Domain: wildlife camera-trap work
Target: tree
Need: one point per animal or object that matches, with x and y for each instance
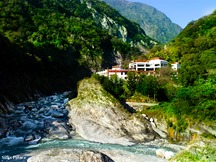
(191, 69)
(147, 85)
(130, 84)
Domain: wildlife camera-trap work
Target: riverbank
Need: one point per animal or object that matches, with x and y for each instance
(39, 132)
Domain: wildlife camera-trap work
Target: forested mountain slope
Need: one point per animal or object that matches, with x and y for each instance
(195, 48)
(51, 44)
(155, 23)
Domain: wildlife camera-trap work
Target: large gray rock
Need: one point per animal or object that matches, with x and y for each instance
(69, 155)
(94, 156)
(57, 130)
(160, 126)
(99, 117)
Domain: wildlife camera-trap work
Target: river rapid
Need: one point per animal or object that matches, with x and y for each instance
(43, 124)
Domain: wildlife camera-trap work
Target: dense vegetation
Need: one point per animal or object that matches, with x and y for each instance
(142, 87)
(51, 44)
(190, 96)
(156, 24)
(68, 26)
(194, 48)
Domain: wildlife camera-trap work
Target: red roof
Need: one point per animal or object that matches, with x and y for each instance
(116, 66)
(141, 60)
(157, 58)
(116, 71)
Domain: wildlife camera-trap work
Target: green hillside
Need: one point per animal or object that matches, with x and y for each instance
(155, 23)
(51, 44)
(193, 102)
(195, 48)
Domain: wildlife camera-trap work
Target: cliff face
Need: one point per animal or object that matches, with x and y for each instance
(98, 116)
(155, 23)
(117, 25)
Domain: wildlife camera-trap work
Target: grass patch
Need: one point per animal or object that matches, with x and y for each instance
(200, 151)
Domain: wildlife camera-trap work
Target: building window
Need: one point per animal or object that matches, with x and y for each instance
(140, 65)
(149, 69)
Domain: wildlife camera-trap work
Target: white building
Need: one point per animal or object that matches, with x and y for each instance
(141, 66)
(148, 65)
(102, 73)
(175, 66)
(116, 70)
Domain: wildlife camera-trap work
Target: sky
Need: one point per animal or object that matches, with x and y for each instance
(182, 12)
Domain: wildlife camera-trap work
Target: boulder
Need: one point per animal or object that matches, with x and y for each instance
(164, 154)
(160, 153)
(98, 116)
(57, 130)
(169, 154)
(94, 156)
(54, 113)
(69, 155)
(29, 125)
(29, 137)
(160, 126)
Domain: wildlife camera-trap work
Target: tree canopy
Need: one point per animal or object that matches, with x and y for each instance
(50, 41)
(194, 48)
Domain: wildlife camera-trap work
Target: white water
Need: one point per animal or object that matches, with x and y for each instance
(138, 151)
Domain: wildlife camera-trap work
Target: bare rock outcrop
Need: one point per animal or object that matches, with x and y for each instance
(69, 155)
(99, 117)
(94, 156)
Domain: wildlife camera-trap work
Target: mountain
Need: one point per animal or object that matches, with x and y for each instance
(195, 48)
(155, 23)
(49, 45)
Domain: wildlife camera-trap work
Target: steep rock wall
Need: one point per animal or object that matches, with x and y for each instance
(98, 116)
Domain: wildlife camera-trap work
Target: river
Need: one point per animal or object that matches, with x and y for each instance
(42, 125)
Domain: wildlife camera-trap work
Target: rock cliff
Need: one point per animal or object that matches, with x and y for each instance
(98, 116)
(155, 23)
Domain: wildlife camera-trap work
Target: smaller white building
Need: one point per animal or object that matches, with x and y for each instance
(116, 70)
(102, 73)
(175, 66)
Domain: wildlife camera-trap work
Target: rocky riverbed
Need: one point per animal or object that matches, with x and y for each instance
(98, 130)
(35, 121)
